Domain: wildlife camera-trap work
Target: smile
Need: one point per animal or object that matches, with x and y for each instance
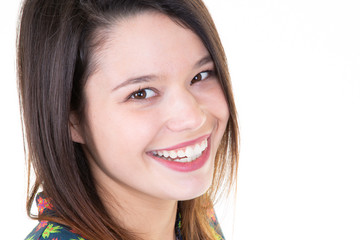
(187, 154)
(185, 157)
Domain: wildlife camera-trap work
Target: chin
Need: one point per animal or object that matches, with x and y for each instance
(193, 190)
(191, 196)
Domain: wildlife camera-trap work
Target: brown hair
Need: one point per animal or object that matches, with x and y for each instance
(56, 44)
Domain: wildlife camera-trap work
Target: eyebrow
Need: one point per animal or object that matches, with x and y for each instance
(203, 61)
(136, 80)
(152, 77)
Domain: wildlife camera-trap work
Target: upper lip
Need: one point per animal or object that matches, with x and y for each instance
(185, 144)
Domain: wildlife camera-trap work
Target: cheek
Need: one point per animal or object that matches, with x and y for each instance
(120, 129)
(214, 100)
(118, 143)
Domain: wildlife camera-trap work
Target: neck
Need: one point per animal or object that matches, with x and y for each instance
(150, 218)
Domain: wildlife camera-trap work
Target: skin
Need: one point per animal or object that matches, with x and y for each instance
(124, 124)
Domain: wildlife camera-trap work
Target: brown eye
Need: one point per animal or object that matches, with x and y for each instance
(200, 76)
(142, 94)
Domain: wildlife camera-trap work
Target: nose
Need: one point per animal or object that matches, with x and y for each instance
(185, 112)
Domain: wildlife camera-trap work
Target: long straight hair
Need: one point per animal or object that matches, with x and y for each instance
(57, 45)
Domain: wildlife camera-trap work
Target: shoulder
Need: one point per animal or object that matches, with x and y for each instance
(52, 231)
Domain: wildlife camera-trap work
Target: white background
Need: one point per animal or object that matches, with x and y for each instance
(295, 68)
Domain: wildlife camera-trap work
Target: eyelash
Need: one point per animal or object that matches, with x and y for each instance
(132, 95)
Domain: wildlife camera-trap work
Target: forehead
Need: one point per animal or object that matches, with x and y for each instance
(149, 41)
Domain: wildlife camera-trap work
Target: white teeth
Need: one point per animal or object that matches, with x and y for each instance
(188, 154)
(165, 153)
(197, 149)
(183, 160)
(181, 153)
(203, 144)
(173, 154)
(189, 151)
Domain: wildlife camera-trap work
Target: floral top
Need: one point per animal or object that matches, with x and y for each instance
(46, 230)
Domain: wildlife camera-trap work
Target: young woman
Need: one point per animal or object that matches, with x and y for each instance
(129, 118)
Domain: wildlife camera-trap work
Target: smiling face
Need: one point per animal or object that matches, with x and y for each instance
(155, 111)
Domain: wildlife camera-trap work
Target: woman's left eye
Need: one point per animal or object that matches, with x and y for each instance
(142, 94)
(201, 76)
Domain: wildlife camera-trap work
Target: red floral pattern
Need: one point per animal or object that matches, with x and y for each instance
(43, 204)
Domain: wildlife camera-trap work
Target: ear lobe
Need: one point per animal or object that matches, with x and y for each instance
(75, 129)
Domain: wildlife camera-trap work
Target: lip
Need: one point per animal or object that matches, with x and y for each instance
(186, 166)
(184, 144)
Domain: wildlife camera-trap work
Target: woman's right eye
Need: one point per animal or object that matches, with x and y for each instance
(144, 93)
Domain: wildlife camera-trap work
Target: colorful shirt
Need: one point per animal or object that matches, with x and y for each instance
(46, 230)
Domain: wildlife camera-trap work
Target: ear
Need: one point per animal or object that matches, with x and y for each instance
(75, 129)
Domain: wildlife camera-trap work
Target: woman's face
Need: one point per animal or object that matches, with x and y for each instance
(155, 111)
